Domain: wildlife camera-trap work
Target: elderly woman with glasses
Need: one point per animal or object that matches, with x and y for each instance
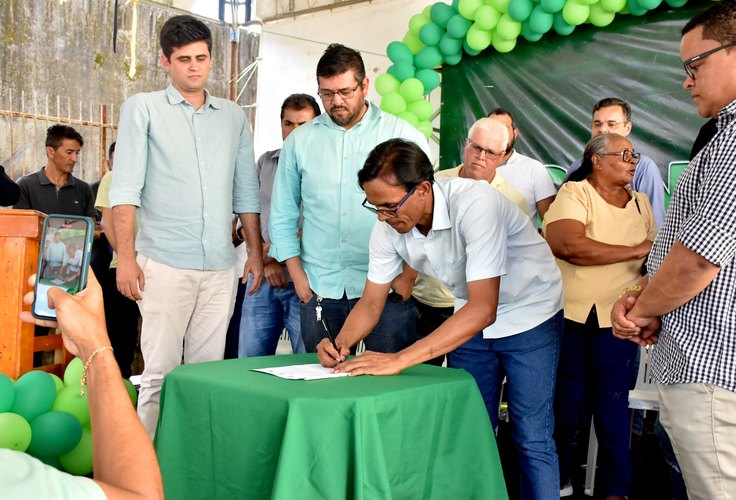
(601, 231)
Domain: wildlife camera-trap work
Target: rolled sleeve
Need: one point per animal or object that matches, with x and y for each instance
(285, 203)
(131, 153)
(246, 198)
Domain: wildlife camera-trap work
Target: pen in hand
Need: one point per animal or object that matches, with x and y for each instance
(332, 339)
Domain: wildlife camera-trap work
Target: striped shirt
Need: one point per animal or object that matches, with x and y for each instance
(697, 343)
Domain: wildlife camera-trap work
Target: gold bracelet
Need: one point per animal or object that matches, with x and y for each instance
(86, 366)
(635, 288)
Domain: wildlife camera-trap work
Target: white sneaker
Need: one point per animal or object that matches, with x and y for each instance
(566, 491)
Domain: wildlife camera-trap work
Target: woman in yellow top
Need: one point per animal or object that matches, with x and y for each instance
(601, 231)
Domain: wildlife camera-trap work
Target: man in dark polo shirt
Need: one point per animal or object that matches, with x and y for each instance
(53, 189)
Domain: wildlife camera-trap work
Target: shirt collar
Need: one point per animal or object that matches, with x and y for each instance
(176, 98)
(440, 213)
(726, 115)
(370, 114)
(43, 180)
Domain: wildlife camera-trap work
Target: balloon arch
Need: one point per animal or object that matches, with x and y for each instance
(444, 34)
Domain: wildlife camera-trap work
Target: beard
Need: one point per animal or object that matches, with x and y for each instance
(350, 116)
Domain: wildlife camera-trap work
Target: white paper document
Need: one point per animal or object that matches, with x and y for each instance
(301, 372)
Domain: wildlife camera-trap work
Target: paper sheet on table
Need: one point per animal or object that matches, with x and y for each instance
(301, 372)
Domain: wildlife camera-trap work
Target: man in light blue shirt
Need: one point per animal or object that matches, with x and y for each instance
(613, 115)
(184, 162)
(318, 169)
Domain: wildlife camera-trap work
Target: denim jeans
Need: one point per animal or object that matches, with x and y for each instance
(395, 330)
(529, 361)
(265, 314)
(595, 368)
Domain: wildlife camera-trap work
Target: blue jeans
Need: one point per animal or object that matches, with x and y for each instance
(395, 330)
(265, 315)
(595, 368)
(529, 361)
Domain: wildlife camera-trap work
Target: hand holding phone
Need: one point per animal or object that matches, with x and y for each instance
(63, 259)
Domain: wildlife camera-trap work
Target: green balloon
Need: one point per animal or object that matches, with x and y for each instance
(413, 42)
(467, 8)
(132, 392)
(458, 26)
(425, 128)
(430, 79)
(500, 5)
(73, 373)
(421, 109)
(507, 28)
(416, 22)
(411, 89)
(7, 393)
(15, 432)
(634, 8)
(384, 84)
(586, 2)
(528, 33)
(428, 57)
(53, 434)
(519, 10)
(34, 394)
(540, 21)
(52, 461)
(469, 51)
(650, 4)
(68, 400)
(59, 383)
(397, 51)
(561, 26)
(503, 46)
(453, 59)
(79, 460)
(450, 46)
(393, 103)
(613, 5)
(430, 34)
(486, 18)
(575, 13)
(552, 6)
(676, 3)
(441, 13)
(600, 17)
(477, 38)
(410, 117)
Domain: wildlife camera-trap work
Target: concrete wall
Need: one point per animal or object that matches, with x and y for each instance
(58, 63)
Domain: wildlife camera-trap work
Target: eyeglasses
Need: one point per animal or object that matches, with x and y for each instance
(328, 95)
(479, 149)
(388, 212)
(609, 123)
(688, 65)
(626, 155)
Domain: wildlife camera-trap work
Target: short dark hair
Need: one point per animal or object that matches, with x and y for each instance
(596, 146)
(613, 101)
(399, 163)
(300, 101)
(337, 59)
(111, 149)
(718, 22)
(501, 111)
(179, 31)
(57, 133)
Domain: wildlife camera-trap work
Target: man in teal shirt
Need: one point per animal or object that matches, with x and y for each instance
(184, 162)
(318, 170)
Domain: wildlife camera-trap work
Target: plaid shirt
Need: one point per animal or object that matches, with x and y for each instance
(697, 343)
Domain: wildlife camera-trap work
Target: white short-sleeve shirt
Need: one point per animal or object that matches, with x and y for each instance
(476, 234)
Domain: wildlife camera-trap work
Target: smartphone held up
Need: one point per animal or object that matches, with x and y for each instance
(63, 259)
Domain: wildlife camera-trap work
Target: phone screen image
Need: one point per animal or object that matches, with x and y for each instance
(63, 258)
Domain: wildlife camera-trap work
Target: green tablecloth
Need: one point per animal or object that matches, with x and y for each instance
(228, 432)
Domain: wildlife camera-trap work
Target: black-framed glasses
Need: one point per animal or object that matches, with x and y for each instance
(478, 149)
(626, 155)
(688, 64)
(608, 123)
(328, 95)
(388, 212)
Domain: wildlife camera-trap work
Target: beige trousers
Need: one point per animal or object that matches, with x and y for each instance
(185, 316)
(701, 422)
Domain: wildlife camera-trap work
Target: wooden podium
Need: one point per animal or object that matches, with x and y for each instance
(20, 235)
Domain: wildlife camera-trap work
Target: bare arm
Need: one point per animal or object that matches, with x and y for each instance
(107, 226)
(566, 238)
(125, 464)
(300, 279)
(254, 265)
(543, 205)
(130, 277)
